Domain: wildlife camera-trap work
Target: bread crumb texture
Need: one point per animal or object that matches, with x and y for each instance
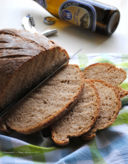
(105, 72)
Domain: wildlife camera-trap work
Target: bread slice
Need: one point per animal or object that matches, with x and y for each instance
(47, 103)
(105, 72)
(25, 59)
(80, 119)
(110, 105)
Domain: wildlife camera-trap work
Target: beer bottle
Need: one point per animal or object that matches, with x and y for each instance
(89, 14)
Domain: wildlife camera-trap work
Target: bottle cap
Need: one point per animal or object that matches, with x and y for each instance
(113, 22)
(49, 20)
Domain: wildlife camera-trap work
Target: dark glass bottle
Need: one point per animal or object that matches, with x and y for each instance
(92, 15)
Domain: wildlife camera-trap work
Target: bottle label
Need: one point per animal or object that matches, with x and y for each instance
(79, 13)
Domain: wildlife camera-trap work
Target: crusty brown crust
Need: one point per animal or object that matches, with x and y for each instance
(56, 116)
(66, 141)
(107, 64)
(91, 134)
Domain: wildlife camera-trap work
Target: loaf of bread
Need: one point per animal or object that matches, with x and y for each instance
(110, 105)
(46, 104)
(25, 59)
(80, 119)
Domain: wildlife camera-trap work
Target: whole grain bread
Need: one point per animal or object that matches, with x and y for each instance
(25, 59)
(80, 119)
(105, 72)
(109, 107)
(47, 103)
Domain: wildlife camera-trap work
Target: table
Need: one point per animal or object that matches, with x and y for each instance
(70, 37)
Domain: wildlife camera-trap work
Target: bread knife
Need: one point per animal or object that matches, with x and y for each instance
(6, 110)
(28, 24)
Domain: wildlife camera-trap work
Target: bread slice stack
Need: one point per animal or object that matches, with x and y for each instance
(80, 119)
(112, 77)
(101, 76)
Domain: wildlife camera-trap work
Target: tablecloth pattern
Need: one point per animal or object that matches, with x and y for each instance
(110, 146)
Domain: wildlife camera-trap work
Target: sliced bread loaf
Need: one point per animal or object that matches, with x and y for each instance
(109, 107)
(25, 59)
(80, 119)
(105, 72)
(48, 102)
